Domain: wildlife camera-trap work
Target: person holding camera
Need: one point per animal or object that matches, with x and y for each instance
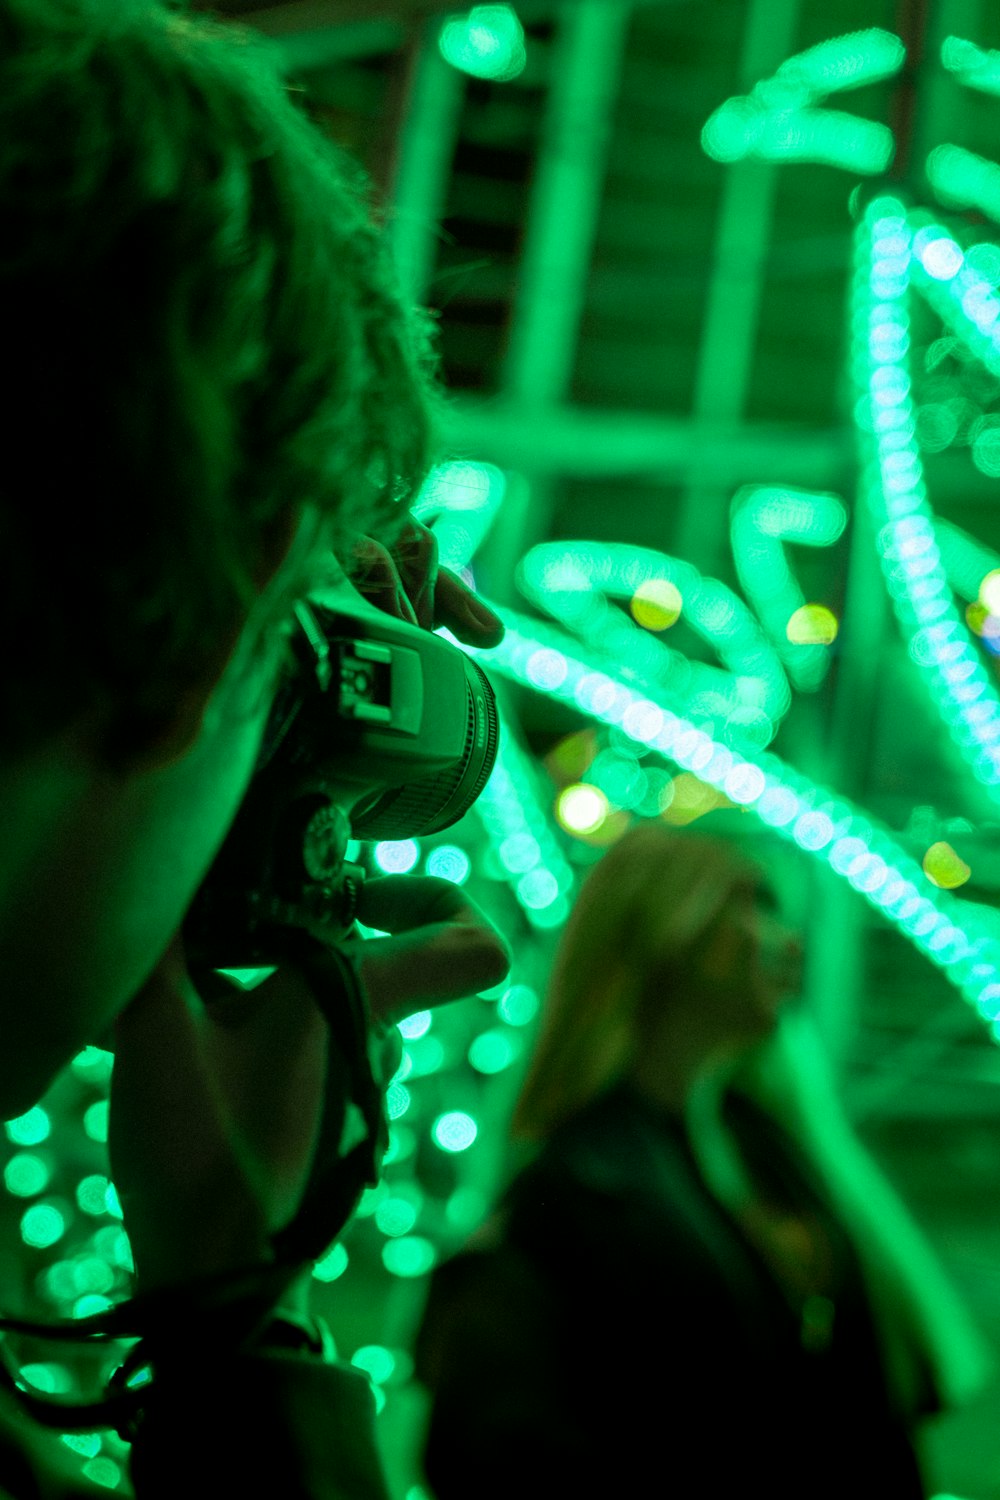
(217, 406)
(697, 1282)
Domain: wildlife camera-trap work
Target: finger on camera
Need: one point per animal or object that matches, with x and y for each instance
(460, 610)
(399, 903)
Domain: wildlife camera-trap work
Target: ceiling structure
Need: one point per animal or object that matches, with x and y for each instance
(635, 331)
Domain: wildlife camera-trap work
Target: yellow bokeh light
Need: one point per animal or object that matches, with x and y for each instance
(989, 592)
(812, 625)
(981, 621)
(692, 799)
(944, 868)
(581, 809)
(976, 615)
(568, 759)
(656, 604)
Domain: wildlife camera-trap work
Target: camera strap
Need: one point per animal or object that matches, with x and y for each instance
(230, 1311)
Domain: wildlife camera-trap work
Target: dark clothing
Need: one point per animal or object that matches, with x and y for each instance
(269, 1423)
(281, 1426)
(622, 1334)
(273, 1425)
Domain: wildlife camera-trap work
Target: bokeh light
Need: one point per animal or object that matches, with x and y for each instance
(333, 1264)
(812, 625)
(95, 1121)
(378, 1363)
(396, 1216)
(396, 856)
(581, 808)
(454, 1131)
(449, 862)
(42, 1225)
(492, 1051)
(29, 1129)
(518, 1006)
(989, 592)
(487, 43)
(26, 1174)
(410, 1256)
(946, 868)
(656, 604)
(416, 1025)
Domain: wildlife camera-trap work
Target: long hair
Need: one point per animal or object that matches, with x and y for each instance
(203, 340)
(641, 909)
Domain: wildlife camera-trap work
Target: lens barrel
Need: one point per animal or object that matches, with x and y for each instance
(436, 802)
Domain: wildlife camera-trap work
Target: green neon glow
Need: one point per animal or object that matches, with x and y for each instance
(841, 62)
(410, 1256)
(95, 1121)
(619, 776)
(87, 1443)
(890, 247)
(378, 1362)
(92, 1273)
(26, 1174)
(513, 811)
(333, 1264)
(396, 856)
(416, 1025)
(397, 1101)
(104, 1472)
(965, 559)
(488, 43)
(42, 1225)
(573, 581)
(492, 1051)
(29, 1129)
(963, 296)
(423, 1055)
(518, 1005)
(396, 1216)
(92, 1194)
(582, 808)
(829, 827)
(461, 500)
(776, 121)
(974, 66)
(53, 1379)
(763, 519)
(964, 179)
(454, 1131)
(449, 862)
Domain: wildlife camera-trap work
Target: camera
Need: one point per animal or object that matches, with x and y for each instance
(379, 730)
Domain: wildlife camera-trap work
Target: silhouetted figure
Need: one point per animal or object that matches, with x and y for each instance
(700, 1284)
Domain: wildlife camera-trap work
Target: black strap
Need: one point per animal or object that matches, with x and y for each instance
(230, 1311)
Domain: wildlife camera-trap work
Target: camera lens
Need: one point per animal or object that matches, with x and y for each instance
(435, 802)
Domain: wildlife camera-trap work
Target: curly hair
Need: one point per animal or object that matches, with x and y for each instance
(204, 341)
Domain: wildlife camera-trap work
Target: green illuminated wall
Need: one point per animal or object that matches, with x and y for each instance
(707, 666)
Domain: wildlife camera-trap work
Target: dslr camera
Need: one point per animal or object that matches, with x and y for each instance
(379, 730)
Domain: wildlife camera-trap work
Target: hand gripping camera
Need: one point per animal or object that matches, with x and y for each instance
(379, 730)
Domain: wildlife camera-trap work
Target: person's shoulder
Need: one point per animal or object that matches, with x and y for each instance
(612, 1144)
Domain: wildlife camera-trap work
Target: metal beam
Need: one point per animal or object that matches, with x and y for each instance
(565, 200)
(425, 148)
(739, 259)
(592, 443)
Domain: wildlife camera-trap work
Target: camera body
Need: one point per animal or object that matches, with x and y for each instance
(379, 730)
